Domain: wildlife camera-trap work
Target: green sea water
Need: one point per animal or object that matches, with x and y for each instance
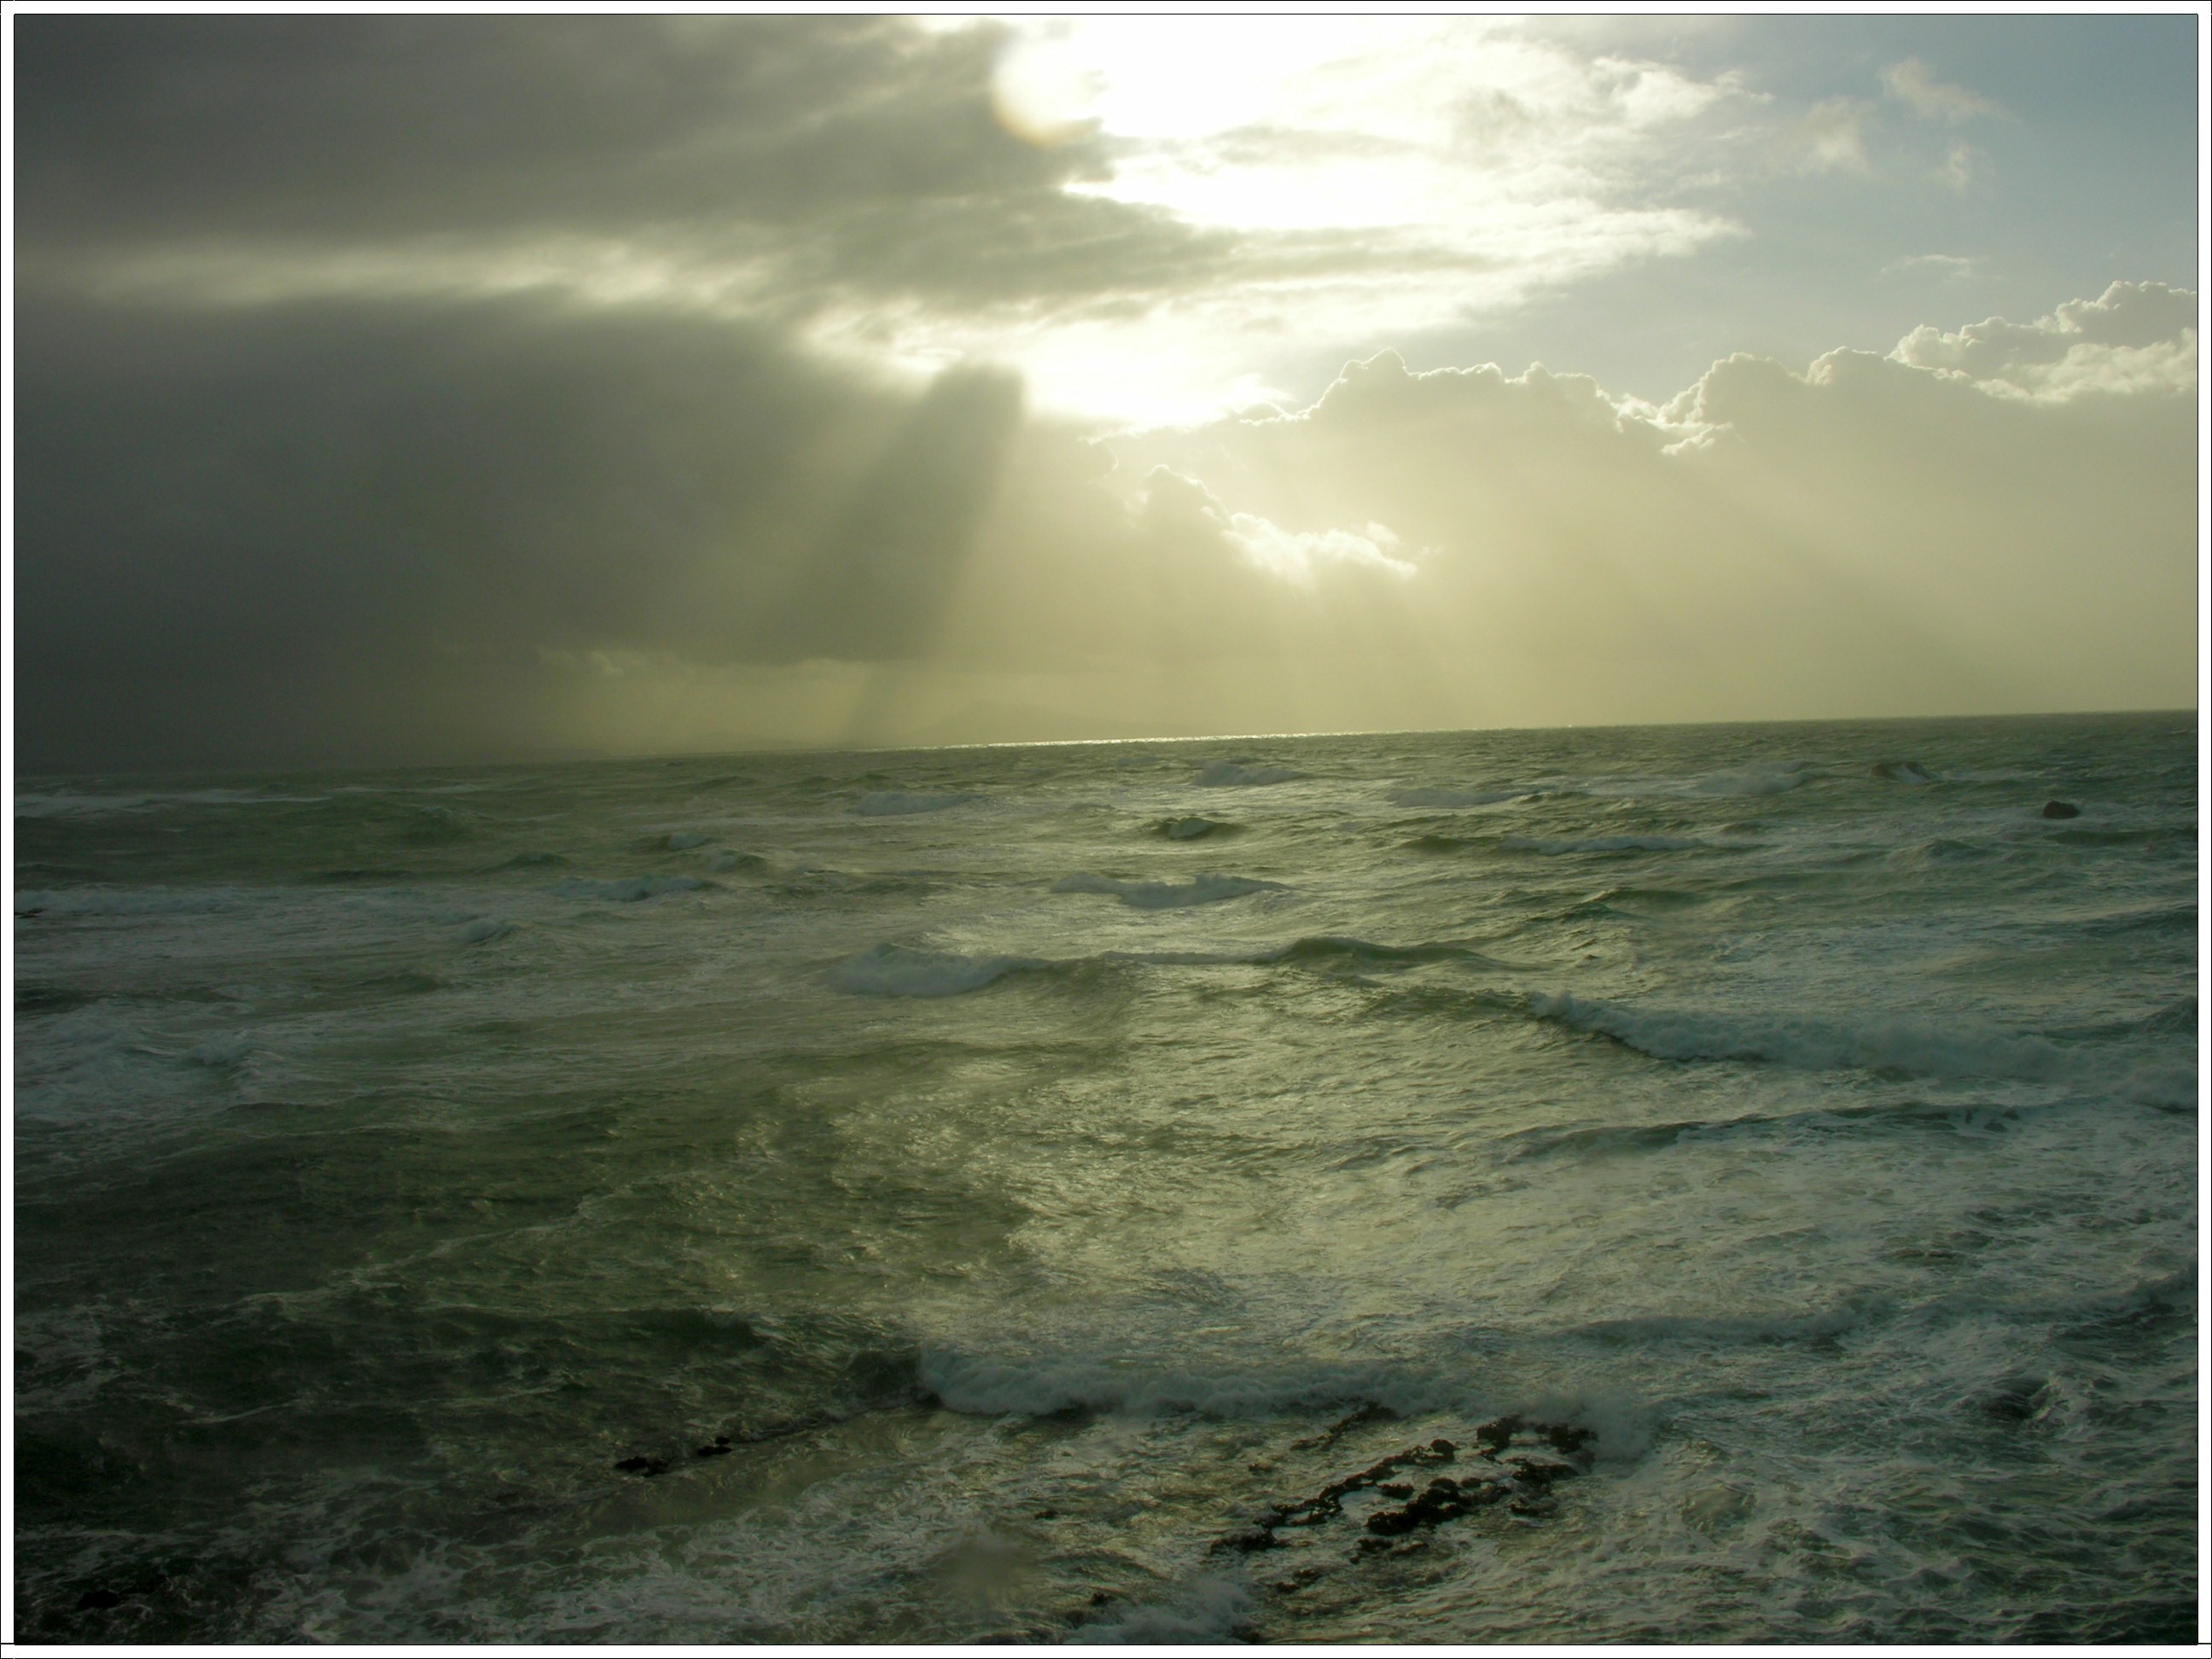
(943, 1196)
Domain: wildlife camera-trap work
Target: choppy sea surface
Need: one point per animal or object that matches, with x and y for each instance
(1066, 1193)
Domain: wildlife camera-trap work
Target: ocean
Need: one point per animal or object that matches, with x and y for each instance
(1718, 1184)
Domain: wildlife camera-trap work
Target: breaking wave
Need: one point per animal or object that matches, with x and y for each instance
(1755, 782)
(1893, 1045)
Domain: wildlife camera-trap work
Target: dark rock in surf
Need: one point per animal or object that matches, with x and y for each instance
(1517, 1461)
(1248, 1539)
(2061, 809)
(1336, 1431)
(645, 1467)
(93, 1600)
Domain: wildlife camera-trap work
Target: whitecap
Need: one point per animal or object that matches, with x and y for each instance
(227, 1049)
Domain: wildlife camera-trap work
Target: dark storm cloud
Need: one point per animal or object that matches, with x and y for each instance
(240, 507)
(164, 125)
(839, 154)
(412, 529)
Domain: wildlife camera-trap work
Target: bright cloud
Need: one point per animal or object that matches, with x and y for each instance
(2138, 337)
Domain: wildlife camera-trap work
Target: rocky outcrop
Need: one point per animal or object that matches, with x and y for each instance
(1514, 1461)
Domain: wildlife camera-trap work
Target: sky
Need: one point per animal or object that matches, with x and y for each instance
(406, 388)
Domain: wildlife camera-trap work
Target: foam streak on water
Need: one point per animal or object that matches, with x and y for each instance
(933, 1196)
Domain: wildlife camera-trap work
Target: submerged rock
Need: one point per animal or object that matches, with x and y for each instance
(2061, 809)
(647, 1466)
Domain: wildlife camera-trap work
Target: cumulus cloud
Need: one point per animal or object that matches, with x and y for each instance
(1294, 555)
(2137, 338)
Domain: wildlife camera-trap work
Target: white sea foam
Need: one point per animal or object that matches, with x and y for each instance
(898, 971)
(1602, 844)
(2171, 1083)
(900, 803)
(1206, 1611)
(225, 1049)
(1229, 774)
(1168, 895)
(631, 891)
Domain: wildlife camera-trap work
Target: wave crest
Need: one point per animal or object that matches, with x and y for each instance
(1232, 774)
(1888, 1045)
(1603, 844)
(898, 970)
(901, 803)
(1168, 895)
